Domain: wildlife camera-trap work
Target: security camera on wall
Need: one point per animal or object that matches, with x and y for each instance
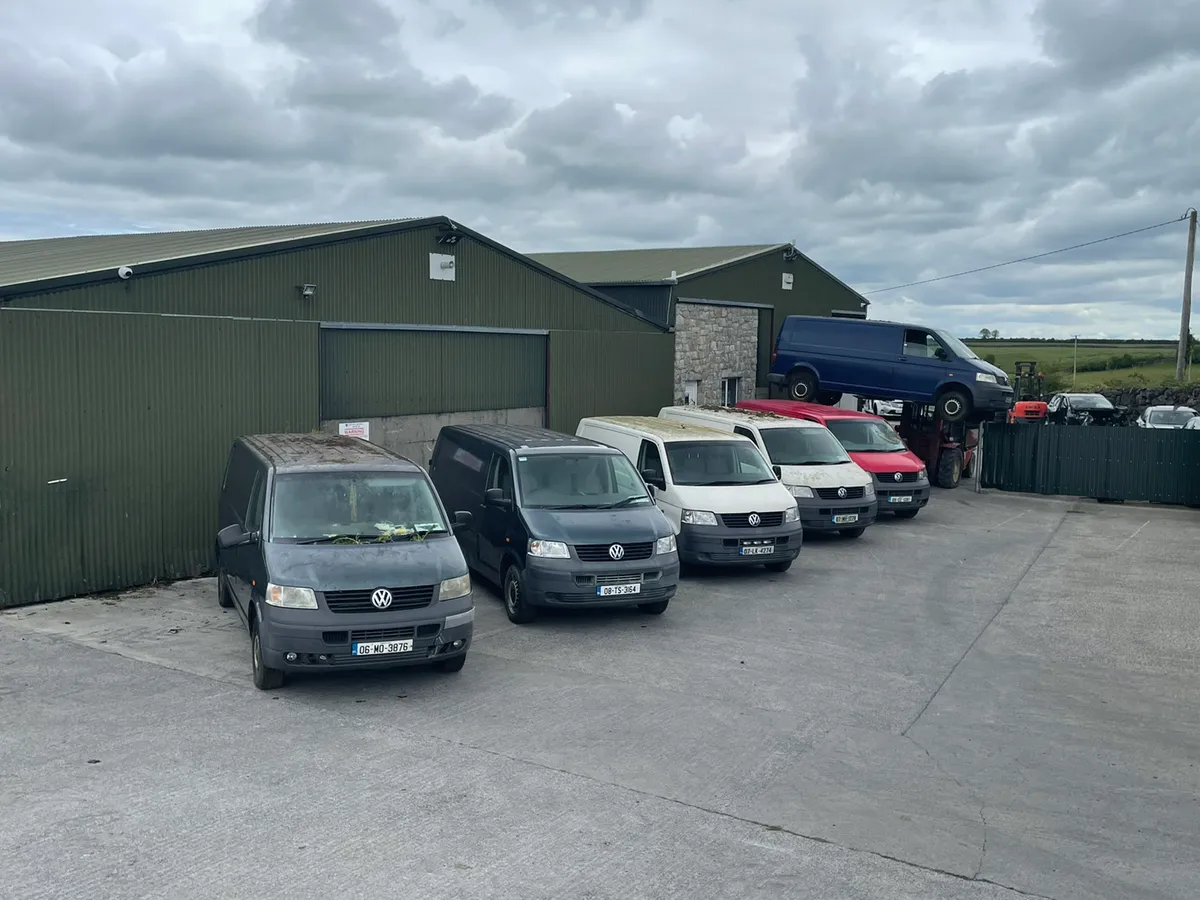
(124, 273)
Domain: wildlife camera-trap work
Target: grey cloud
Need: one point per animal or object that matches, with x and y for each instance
(320, 29)
(585, 143)
(530, 13)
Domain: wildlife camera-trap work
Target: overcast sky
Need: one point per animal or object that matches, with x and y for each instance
(893, 140)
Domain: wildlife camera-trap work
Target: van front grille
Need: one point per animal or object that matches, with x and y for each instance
(600, 552)
(890, 477)
(413, 597)
(852, 493)
(742, 520)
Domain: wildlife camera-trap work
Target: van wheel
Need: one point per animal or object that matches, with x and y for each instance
(223, 598)
(265, 679)
(515, 605)
(853, 532)
(830, 398)
(952, 406)
(779, 566)
(802, 386)
(949, 470)
(657, 608)
(453, 665)
(907, 513)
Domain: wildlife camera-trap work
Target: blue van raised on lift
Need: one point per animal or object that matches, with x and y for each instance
(818, 359)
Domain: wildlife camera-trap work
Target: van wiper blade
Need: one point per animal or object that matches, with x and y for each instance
(628, 501)
(574, 506)
(334, 538)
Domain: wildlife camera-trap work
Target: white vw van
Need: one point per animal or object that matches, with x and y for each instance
(716, 489)
(833, 493)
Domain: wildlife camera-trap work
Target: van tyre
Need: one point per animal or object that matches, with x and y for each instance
(515, 605)
(657, 608)
(907, 514)
(853, 532)
(949, 469)
(953, 406)
(802, 386)
(451, 666)
(779, 566)
(223, 599)
(265, 679)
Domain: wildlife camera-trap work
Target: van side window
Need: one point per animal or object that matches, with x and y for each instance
(746, 432)
(923, 345)
(258, 497)
(239, 480)
(649, 459)
(500, 475)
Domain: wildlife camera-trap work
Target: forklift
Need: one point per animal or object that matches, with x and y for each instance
(946, 448)
(1029, 392)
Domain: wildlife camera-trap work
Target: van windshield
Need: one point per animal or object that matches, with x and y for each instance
(866, 435)
(715, 463)
(803, 447)
(955, 346)
(579, 481)
(354, 508)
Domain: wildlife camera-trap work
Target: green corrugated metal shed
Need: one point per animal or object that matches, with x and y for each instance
(651, 266)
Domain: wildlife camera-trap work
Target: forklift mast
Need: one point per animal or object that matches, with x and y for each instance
(1028, 382)
(946, 448)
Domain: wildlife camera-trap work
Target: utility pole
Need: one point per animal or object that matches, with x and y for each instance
(1185, 320)
(1075, 364)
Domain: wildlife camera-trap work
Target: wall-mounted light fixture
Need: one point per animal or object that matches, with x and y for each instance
(791, 253)
(307, 291)
(448, 234)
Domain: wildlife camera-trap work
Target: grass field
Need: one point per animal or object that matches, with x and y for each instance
(1100, 363)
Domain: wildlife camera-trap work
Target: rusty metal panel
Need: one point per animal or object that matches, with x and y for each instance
(381, 279)
(137, 414)
(608, 373)
(367, 373)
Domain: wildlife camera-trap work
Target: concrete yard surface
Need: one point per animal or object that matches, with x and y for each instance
(997, 699)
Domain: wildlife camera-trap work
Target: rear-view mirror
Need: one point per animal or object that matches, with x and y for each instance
(778, 472)
(463, 519)
(653, 478)
(495, 497)
(234, 536)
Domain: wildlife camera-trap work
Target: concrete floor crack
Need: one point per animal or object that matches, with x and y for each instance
(983, 849)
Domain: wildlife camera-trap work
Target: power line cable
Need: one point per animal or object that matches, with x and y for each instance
(1011, 262)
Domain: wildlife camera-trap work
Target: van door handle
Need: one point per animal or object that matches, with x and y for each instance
(903, 359)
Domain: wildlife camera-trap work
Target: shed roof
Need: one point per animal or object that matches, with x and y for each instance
(648, 266)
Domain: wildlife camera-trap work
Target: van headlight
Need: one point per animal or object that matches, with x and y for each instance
(922, 476)
(698, 517)
(792, 514)
(665, 544)
(869, 491)
(549, 550)
(800, 490)
(453, 588)
(985, 377)
(291, 597)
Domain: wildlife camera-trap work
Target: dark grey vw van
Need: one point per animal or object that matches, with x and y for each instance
(337, 553)
(557, 520)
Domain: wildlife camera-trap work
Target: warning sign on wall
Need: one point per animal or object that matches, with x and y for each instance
(355, 429)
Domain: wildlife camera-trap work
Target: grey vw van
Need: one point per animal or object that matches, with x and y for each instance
(337, 553)
(557, 520)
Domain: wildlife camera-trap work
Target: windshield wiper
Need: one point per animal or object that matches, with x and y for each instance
(574, 506)
(332, 538)
(626, 502)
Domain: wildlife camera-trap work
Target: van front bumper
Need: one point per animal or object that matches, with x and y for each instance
(774, 378)
(320, 638)
(991, 398)
(891, 495)
(719, 545)
(831, 515)
(573, 583)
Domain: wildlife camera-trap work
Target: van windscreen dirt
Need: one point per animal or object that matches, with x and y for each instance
(354, 508)
(717, 463)
(803, 447)
(866, 435)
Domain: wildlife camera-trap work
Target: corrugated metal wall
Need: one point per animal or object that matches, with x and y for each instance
(766, 343)
(652, 300)
(368, 373)
(609, 373)
(136, 414)
(1104, 462)
(760, 280)
(376, 279)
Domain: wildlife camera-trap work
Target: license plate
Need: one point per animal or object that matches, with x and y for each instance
(846, 519)
(900, 498)
(758, 551)
(618, 590)
(381, 648)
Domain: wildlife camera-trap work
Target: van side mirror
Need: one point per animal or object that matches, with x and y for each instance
(463, 519)
(234, 536)
(495, 497)
(778, 472)
(654, 478)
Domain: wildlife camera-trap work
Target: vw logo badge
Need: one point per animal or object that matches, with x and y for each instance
(381, 599)
(898, 477)
(755, 520)
(616, 551)
(842, 493)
